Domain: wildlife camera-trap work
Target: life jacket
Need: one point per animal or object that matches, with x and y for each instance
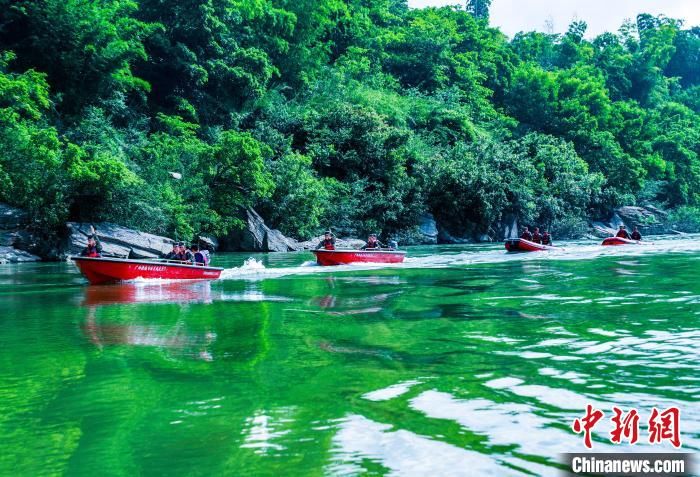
(373, 245)
(329, 244)
(526, 235)
(636, 236)
(536, 237)
(546, 239)
(623, 234)
(92, 252)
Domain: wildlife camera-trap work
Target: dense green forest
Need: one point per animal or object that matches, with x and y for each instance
(172, 116)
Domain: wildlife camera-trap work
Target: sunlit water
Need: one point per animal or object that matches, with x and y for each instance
(461, 361)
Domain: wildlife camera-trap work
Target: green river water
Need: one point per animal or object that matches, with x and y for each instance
(461, 361)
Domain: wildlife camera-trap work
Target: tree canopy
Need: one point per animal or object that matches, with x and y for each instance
(358, 115)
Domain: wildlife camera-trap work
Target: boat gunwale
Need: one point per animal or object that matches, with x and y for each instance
(144, 262)
(352, 250)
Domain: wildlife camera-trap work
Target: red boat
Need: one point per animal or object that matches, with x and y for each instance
(522, 245)
(345, 257)
(111, 270)
(620, 241)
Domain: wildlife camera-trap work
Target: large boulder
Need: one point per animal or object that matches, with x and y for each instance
(257, 237)
(12, 255)
(428, 229)
(649, 219)
(117, 241)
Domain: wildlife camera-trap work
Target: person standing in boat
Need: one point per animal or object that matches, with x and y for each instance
(373, 243)
(636, 235)
(526, 235)
(623, 233)
(536, 235)
(546, 238)
(328, 242)
(94, 247)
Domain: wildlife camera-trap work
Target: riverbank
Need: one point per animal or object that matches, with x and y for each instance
(19, 244)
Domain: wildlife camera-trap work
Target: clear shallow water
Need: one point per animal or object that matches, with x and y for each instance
(462, 361)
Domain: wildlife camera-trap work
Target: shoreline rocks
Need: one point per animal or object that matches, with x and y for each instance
(117, 241)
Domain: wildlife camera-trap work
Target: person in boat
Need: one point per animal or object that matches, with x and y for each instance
(186, 253)
(173, 254)
(328, 241)
(373, 243)
(623, 233)
(200, 257)
(94, 247)
(526, 235)
(546, 238)
(536, 235)
(636, 235)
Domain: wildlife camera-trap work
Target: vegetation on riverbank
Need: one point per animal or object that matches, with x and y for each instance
(360, 115)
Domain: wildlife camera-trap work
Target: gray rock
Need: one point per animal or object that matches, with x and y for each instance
(210, 243)
(257, 237)
(12, 217)
(118, 241)
(484, 238)
(12, 255)
(428, 229)
(275, 241)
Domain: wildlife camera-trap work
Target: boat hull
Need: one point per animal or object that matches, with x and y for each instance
(346, 257)
(522, 245)
(112, 270)
(619, 241)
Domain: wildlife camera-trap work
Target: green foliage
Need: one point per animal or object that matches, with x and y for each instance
(173, 117)
(686, 219)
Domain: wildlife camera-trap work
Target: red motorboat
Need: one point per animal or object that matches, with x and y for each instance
(111, 270)
(620, 241)
(345, 257)
(522, 245)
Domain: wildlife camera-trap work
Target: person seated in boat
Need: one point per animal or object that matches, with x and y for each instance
(373, 243)
(200, 257)
(623, 233)
(636, 235)
(526, 235)
(94, 247)
(546, 238)
(536, 235)
(173, 254)
(328, 241)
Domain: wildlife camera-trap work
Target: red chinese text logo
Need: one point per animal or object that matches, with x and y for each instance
(663, 425)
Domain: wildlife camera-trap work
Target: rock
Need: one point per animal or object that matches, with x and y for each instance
(484, 238)
(210, 243)
(510, 227)
(275, 241)
(428, 229)
(117, 241)
(12, 217)
(634, 216)
(12, 255)
(646, 218)
(446, 238)
(257, 237)
(339, 243)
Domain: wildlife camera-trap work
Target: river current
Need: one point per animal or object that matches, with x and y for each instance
(464, 360)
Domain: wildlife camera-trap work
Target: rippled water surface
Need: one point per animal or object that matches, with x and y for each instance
(462, 361)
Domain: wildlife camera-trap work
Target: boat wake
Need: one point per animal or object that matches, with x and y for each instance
(449, 257)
